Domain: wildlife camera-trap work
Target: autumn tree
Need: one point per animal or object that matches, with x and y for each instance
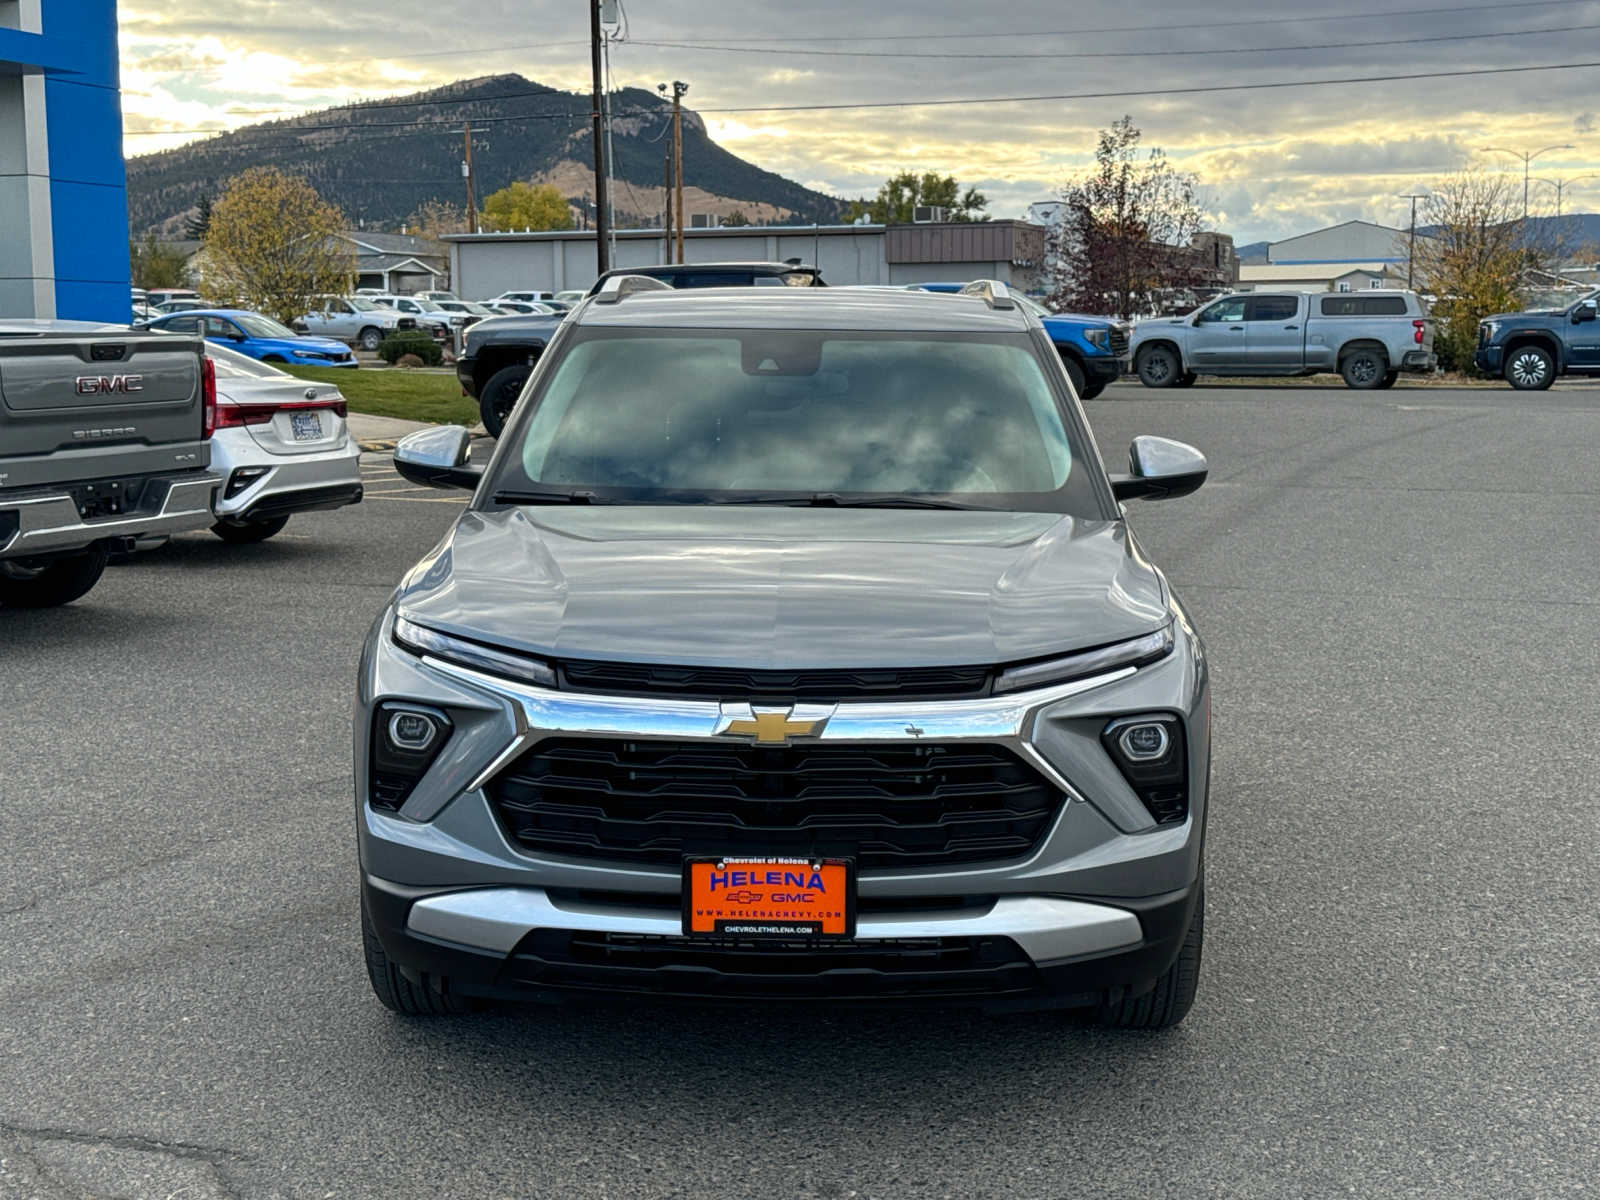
(901, 195)
(526, 206)
(1473, 258)
(155, 265)
(1122, 237)
(273, 245)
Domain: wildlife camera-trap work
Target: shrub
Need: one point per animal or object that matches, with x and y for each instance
(410, 362)
(410, 342)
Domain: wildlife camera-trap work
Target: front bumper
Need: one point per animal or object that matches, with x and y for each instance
(1489, 359)
(47, 520)
(465, 365)
(1106, 366)
(293, 483)
(1099, 905)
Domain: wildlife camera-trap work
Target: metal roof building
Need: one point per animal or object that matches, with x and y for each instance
(483, 265)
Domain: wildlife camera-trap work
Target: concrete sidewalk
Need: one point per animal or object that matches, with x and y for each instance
(381, 433)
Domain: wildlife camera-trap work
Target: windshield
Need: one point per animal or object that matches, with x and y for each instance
(263, 327)
(699, 416)
(1032, 306)
(362, 305)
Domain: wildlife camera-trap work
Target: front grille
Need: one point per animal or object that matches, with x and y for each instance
(732, 683)
(1117, 340)
(884, 806)
(731, 968)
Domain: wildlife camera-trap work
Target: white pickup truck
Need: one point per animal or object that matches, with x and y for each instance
(104, 440)
(1368, 338)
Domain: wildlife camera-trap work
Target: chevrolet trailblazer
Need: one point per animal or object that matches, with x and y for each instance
(793, 646)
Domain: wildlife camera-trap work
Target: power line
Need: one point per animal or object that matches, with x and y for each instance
(1363, 45)
(973, 101)
(1368, 14)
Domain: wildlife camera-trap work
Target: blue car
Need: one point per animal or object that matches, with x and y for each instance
(259, 337)
(1093, 349)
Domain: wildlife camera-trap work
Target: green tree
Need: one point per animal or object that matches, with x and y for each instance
(273, 245)
(155, 265)
(1472, 259)
(736, 219)
(199, 225)
(526, 206)
(902, 193)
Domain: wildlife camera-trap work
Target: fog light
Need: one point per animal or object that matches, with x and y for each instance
(412, 731)
(406, 738)
(1152, 755)
(1144, 743)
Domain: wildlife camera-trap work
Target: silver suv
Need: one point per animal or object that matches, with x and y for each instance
(793, 646)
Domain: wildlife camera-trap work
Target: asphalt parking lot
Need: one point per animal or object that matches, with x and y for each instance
(1401, 989)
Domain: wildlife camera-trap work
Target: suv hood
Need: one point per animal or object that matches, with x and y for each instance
(784, 588)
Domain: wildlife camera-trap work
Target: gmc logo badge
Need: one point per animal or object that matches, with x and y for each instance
(101, 385)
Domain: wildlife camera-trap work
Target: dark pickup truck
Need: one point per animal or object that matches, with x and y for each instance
(104, 440)
(1529, 349)
(497, 354)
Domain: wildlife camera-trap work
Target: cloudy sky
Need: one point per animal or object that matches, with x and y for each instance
(1273, 161)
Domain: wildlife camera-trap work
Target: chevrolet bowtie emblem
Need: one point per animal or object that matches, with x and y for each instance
(771, 726)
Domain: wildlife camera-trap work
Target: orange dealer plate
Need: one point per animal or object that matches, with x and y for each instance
(769, 897)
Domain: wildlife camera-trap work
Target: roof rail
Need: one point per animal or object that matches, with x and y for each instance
(994, 293)
(618, 286)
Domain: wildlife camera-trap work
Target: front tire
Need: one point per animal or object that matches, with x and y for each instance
(1075, 374)
(1091, 390)
(369, 338)
(499, 397)
(1530, 369)
(430, 998)
(52, 583)
(1363, 369)
(248, 533)
(1159, 367)
(1166, 1004)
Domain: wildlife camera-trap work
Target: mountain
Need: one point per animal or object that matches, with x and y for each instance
(380, 171)
(1252, 254)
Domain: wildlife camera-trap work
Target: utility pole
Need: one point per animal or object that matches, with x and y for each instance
(1411, 251)
(666, 213)
(601, 217)
(678, 89)
(466, 173)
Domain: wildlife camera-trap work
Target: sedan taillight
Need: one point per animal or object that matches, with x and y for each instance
(235, 416)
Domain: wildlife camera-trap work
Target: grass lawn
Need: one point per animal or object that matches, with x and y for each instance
(391, 393)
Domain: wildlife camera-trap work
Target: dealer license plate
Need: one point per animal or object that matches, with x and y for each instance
(307, 426)
(769, 897)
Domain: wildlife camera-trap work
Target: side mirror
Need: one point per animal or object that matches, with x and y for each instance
(1160, 469)
(1584, 312)
(439, 458)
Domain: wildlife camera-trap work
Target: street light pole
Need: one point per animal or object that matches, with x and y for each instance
(602, 221)
(1561, 185)
(1527, 159)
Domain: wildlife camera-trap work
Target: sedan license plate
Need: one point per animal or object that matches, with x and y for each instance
(307, 426)
(769, 897)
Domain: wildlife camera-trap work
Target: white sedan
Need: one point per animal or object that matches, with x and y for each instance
(281, 446)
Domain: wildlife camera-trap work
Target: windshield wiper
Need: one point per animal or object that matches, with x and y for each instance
(836, 500)
(547, 497)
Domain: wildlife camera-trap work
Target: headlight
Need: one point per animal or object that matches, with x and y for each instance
(1100, 338)
(1132, 653)
(307, 353)
(1490, 328)
(419, 639)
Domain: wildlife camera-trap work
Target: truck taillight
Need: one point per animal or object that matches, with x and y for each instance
(1417, 330)
(208, 397)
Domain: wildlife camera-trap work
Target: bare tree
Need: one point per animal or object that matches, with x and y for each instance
(1124, 231)
(1474, 258)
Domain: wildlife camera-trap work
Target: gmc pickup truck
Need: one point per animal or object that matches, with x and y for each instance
(1368, 338)
(1529, 349)
(104, 439)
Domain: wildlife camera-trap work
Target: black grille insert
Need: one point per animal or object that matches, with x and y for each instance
(733, 683)
(783, 970)
(885, 806)
(1117, 340)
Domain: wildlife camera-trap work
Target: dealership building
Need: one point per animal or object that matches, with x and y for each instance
(63, 191)
(484, 265)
